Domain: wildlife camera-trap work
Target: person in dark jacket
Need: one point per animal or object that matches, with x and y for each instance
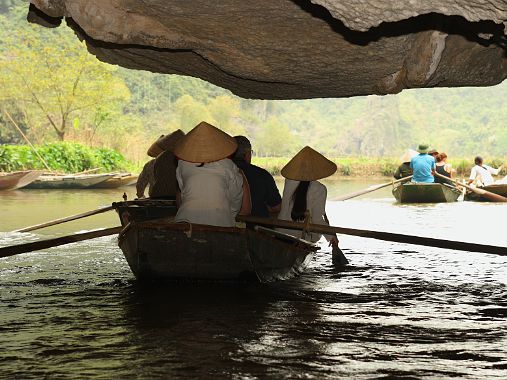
(265, 196)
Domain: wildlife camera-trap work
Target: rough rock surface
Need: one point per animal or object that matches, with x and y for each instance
(283, 49)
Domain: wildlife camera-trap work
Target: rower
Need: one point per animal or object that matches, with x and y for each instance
(303, 194)
(423, 165)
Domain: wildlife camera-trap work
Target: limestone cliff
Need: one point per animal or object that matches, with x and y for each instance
(283, 49)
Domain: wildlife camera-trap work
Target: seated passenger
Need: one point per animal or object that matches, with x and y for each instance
(443, 168)
(213, 189)
(404, 170)
(481, 174)
(433, 153)
(165, 185)
(265, 196)
(160, 173)
(146, 178)
(423, 165)
(303, 192)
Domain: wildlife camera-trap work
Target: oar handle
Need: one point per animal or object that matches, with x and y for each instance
(370, 189)
(66, 219)
(49, 243)
(386, 236)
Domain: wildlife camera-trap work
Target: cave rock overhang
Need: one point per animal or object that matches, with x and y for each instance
(296, 49)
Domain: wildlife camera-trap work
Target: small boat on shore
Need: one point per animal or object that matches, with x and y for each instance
(411, 192)
(80, 181)
(118, 180)
(161, 249)
(18, 180)
(496, 188)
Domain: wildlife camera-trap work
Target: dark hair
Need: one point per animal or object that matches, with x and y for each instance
(299, 198)
(244, 146)
(478, 160)
(441, 157)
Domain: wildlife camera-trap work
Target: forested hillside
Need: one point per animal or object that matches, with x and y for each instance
(55, 90)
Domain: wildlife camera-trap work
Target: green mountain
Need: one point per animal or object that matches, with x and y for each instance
(54, 89)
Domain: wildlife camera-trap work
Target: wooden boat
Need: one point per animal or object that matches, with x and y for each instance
(118, 180)
(82, 181)
(18, 180)
(161, 249)
(496, 188)
(411, 192)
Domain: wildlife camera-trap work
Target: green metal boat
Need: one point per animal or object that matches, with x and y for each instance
(411, 192)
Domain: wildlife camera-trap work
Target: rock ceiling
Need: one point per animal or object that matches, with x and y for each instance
(288, 49)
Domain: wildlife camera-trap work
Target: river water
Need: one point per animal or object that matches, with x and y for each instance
(397, 311)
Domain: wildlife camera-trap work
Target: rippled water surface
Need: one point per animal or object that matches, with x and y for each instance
(397, 311)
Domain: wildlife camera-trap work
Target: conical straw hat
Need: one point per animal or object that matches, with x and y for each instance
(205, 143)
(408, 155)
(308, 165)
(165, 142)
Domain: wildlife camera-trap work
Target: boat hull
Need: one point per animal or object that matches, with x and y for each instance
(425, 193)
(84, 181)
(117, 181)
(18, 180)
(175, 251)
(500, 189)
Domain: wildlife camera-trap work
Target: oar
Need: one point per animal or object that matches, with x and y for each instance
(386, 236)
(66, 219)
(338, 256)
(43, 244)
(370, 189)
(484, 193)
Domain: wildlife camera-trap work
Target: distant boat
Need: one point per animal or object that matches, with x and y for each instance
(80, 181)
(411, 192)
(18, 180)
(119, 180)
(496, 188)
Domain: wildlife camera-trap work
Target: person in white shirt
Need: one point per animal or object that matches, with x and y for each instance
(482, 175)
(213, 190)
(302, 192)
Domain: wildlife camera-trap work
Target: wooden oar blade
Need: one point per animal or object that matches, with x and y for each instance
(49, 243)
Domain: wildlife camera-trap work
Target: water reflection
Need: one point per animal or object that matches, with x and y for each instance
(397, 311)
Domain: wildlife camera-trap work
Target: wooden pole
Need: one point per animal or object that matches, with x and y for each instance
(44, 244)
(486, 194)
(26, 139)
(386, 236)
(66, 219)
(370, 189)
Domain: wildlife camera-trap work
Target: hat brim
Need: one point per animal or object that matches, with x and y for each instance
(154, 150)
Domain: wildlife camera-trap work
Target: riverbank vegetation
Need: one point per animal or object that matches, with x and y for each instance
(72, 157)
(55, 90)
(64, 157)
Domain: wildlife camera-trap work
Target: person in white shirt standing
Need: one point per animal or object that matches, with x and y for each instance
(213, 189)
(302, 192)
(482, 175)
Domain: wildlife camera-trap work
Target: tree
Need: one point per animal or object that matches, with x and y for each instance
(275, 139)
(48, 71)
